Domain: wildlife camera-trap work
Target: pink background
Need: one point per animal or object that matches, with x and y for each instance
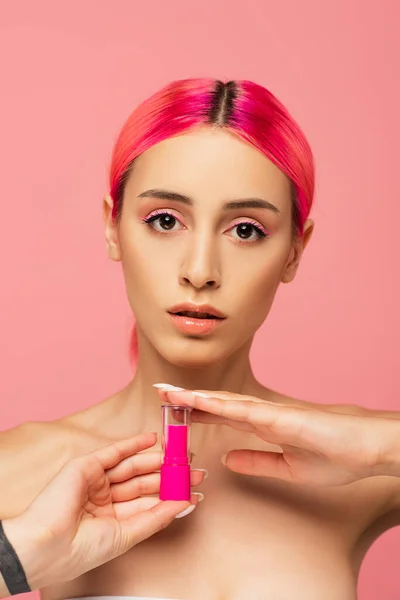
(71, 74)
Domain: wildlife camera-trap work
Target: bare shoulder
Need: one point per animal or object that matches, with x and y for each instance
(32, 453)
(105, 419)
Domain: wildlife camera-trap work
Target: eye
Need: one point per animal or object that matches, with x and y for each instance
(249, 231)
(162, 220)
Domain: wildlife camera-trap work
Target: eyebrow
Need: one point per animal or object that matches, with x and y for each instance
(242, 203)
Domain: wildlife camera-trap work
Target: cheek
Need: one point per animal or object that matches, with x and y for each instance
(262, 268)
(261, 286)
(148, 264)
(258, 277)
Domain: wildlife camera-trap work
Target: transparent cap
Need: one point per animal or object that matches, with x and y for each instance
(176, 422)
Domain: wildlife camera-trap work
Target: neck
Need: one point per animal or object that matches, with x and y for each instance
(143, 403)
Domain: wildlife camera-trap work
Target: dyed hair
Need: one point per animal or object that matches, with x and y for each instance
(242, 107)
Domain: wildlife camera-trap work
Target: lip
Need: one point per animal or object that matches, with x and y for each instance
(195, 326)
(196, 308)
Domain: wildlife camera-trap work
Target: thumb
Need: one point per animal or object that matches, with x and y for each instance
(258, 463)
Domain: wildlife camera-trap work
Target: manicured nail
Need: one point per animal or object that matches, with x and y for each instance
(223, 459)
(185, 512)
(199, 495)
(202, 471)
(167, 387)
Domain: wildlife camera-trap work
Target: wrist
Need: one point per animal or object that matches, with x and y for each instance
(388, 454)
(31, 548)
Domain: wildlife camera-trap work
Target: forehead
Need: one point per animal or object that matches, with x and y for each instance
(210, 163)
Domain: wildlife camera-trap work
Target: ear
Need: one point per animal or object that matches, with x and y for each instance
(296, 252)
(112, 240)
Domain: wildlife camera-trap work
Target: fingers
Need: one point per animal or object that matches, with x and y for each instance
(138, 464)
(113, 454)
(130, 508)
(165, 391)
(280, 423)
(222, 405)
(211, 407)
(199, 416)
(147, 484)
(261, 464)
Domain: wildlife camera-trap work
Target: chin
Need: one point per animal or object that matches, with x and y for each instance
(191, 353)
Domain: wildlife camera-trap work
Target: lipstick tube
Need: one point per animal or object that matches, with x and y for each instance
(175, 468)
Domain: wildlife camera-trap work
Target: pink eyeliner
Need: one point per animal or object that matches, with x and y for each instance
(175, 468)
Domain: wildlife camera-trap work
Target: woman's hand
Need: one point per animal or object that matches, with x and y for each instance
(319, 446)
(96, 508)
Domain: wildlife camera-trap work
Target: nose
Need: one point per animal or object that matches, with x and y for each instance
(200, 267)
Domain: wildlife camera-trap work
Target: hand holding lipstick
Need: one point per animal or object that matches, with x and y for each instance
(320, 445)
(96, 508)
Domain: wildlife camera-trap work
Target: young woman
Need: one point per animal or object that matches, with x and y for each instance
(211, 186)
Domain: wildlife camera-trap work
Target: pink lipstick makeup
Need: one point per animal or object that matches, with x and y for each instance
(175, 468)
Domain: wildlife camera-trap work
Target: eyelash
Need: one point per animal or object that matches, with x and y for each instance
(157, 214)
(261, 232)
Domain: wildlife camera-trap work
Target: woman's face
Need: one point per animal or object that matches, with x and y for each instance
(206, 220)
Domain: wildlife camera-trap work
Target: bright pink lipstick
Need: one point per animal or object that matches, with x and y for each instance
(175, 468)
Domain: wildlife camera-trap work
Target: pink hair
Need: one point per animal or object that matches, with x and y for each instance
(243, 107)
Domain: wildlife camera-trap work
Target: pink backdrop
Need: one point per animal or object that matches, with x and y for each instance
(71, 74)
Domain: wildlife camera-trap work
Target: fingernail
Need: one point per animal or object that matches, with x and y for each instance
(202, 471)
(185, 512)
(167, 387)
(199, 495)
(223, 459)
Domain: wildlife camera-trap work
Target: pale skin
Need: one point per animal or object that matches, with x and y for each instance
(251, 536)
